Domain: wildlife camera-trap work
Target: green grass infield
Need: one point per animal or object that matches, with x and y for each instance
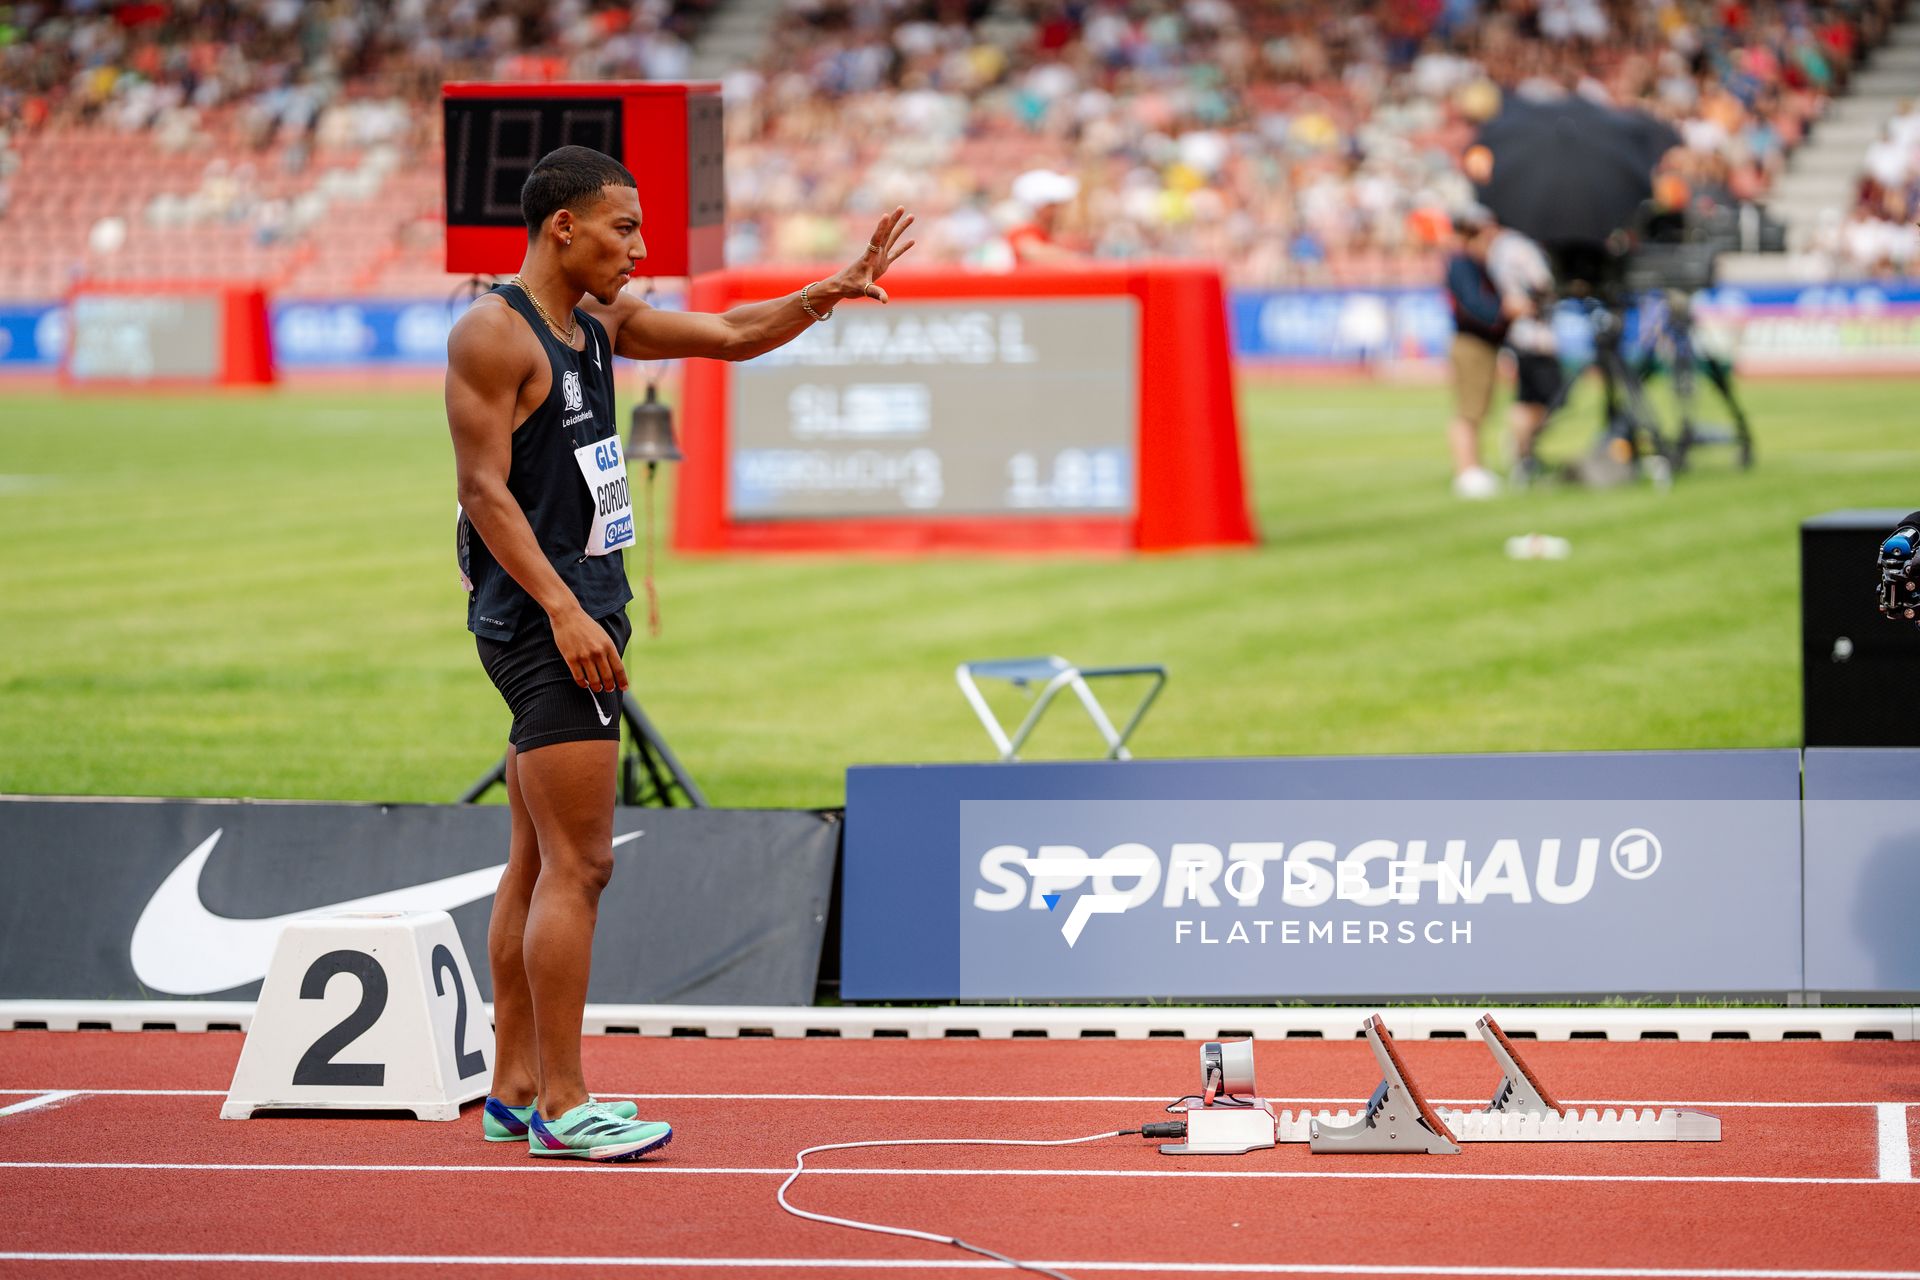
(254, 595)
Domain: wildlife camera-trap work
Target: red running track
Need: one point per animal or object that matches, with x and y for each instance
(1808, 1179)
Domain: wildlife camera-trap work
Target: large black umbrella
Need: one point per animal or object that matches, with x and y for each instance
(1570, 172)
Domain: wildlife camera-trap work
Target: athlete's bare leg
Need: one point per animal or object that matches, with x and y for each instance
(569, 789)
(516, 1069)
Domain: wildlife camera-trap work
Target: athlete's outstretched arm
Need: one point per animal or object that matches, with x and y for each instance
(484, 377)
(641, 332)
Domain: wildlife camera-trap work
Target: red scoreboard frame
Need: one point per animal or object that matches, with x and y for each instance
(1189, 486)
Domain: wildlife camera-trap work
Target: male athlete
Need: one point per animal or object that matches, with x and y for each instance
(542, 482)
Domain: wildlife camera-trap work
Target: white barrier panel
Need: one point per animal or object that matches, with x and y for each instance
(366, 1011)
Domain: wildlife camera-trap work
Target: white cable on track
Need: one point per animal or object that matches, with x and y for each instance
(800, 1167)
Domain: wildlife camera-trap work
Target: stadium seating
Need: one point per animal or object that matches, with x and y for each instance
(1299, 143)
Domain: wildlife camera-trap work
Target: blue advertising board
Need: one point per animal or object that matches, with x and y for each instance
(313, 333)
(308, 333)
(1310, 327)
(1863, 870)
(1872, 321)
(1522, 875)
(32, 336)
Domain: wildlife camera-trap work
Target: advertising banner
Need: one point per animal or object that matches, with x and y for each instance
(1762, 327)
(1863, 871)
(32, 336)
(1524, 876)
(1817, 327)
(163, 899)
(1340, 326)
(1765, 327)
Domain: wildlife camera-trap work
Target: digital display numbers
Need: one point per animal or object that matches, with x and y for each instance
(493, 143)
(941, 409)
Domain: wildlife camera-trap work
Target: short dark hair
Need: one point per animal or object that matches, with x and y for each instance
(565, 177)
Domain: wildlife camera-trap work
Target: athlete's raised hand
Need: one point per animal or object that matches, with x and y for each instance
(883, 250)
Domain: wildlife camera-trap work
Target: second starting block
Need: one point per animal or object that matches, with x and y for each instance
(1398, 1117)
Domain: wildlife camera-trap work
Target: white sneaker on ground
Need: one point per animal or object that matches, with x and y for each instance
(1476, 484)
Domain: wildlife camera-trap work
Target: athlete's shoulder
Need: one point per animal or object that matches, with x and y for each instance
(490, 332)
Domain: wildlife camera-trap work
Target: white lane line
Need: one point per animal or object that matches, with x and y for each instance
(541, 1169)
(1143, 1099)
(46, 1099)
(1896, 1153)
(914, 1264)
(133, 1093)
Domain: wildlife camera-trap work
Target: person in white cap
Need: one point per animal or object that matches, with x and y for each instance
(1043, 193)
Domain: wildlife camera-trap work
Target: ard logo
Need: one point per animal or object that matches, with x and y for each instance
(570, 387)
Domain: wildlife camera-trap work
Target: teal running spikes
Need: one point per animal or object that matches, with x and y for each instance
(502, 1123)
(595, 1131)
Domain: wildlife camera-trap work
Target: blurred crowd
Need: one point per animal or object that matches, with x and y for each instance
(1295, 142)
(1878, 235)
(282, 79)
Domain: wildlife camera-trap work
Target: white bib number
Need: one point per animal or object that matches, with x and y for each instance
(605, 470)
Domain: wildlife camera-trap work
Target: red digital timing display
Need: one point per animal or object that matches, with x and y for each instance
(669, 135)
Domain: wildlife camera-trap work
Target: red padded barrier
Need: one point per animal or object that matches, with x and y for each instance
(243, 339)
(1190, 487)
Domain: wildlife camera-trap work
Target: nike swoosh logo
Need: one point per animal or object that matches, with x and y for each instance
(181, 948)
(605, 719)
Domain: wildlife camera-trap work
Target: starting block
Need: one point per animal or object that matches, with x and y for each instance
(1398, 1117)
(1523, 1111)
(366, 1011)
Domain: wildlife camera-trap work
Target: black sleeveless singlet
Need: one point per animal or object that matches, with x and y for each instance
(547, 484)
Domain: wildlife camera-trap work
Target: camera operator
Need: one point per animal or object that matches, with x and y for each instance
(1521, 274)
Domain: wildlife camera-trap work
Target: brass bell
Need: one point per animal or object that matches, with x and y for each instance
(652, 437)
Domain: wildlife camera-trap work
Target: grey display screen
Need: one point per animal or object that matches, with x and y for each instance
(132, 338)
(952, 408)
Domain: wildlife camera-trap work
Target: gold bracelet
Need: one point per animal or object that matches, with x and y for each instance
(807, 306)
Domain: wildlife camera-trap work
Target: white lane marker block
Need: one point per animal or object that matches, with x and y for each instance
(366, 1011)
(44, 1100)
(1896, 1150)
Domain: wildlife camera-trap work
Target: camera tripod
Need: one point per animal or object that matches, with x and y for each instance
(1631, 431)
(1672, 344)
(649, 772)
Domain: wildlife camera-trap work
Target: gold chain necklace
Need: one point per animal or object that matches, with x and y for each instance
(565, 335)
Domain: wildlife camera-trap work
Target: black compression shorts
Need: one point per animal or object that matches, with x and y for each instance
(547, 705)
(1540, 377)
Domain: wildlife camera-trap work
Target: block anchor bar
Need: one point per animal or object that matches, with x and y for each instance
(1397, 1117)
